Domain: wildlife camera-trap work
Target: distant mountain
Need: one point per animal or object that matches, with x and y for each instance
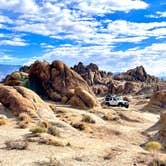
(7, 69)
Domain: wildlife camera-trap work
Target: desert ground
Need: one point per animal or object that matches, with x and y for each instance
(116, 141)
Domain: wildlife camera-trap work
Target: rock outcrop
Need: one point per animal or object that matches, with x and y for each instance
(22, 100)
(24, 69)
(92, 74)
(56, 80)
(137, 74)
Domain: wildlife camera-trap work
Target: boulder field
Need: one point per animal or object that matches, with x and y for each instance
(55, 81)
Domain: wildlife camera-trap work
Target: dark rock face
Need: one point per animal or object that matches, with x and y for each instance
(133, 81)
(24, 69)
(92, 74)
(55, 80)
(137, 74)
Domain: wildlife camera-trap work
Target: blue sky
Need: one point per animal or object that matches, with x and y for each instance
(115, 34)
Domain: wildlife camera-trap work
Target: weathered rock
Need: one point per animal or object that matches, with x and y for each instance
(55, 80)
(92, 74)
(137, 74)
(19, 99)
(17, 79)
(83, 99)
(158, 99)
(163, 119)
(16, 144)
(24, 69)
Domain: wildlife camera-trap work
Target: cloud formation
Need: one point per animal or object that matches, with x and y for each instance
(86, 30)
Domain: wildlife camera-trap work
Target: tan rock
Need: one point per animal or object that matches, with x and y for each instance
(83, 99)
(163, 118)
(158, 99)
(55, 80)
(19, 99)
(17, 79)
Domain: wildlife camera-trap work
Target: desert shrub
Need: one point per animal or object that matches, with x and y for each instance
(87, 118)
(53, 130)
(16, 144)
(44, 124)
(107, 117)
(51, 140)
(38, 129)
(116, 117)
(3, 121)
(25, 117)
(153, 146)
(23, 124)
(80, 126)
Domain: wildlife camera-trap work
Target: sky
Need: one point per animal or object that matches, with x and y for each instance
(115, 34)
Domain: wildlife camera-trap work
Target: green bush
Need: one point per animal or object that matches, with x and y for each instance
(38, 129)
(153, 146)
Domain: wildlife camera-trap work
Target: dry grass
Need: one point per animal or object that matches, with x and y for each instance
(23, 124)
(87, 118)
(51, 140)
(53, 130)
(3, 121)
(107, 116)
(38, 129)
(81, 126)
(25, 117)
(44, 124)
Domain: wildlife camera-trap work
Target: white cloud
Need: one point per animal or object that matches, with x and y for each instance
(5, 19)
(109, 6)
(158, 14)
(55, 19)
(20, 6)
(16, 41)
(152, 57)
(122, 27)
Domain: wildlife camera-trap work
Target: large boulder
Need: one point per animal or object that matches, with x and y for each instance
(157, 102)
(83, 99)
(158, 99)
(22, 100)
(55, 80)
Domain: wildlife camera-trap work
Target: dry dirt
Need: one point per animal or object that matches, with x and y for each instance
(117, 142)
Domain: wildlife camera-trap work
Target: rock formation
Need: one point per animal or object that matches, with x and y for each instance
(158, 99)
(55, 80)
(137, 74)
(92, 74)
(19, 100)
